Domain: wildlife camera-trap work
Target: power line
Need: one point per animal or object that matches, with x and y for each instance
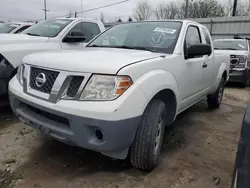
(96, 8)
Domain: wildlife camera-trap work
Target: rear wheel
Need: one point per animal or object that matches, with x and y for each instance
(145, 150)
(215, 99)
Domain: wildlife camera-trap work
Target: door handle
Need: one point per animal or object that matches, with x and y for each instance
(204, 65)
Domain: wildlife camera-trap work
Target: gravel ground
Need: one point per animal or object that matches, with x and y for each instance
(198, 151)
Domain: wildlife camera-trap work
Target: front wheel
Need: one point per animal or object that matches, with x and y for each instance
(214, 100)
(145, 150)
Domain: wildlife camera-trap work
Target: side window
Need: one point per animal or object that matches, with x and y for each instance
(86, 29)
(22, 29)
(192, 37)
(207, 38)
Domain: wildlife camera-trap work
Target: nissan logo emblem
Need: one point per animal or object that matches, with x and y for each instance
(40, 80)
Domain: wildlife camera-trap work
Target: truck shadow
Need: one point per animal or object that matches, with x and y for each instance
(63, 160)
(6, 116)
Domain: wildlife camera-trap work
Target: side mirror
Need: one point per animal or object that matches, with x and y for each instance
(198, 50)
(74, 37)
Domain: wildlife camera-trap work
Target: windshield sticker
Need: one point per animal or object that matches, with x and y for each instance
(157, 39)
(240, 45)
(61, 22)
(165, 30)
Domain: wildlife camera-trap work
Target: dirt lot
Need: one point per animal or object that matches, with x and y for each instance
(198, 151)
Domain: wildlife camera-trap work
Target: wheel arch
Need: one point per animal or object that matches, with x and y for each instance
(170, 101)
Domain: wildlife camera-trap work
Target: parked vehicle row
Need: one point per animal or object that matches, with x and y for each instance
(117, 95)
(55, 34)
(14, 27)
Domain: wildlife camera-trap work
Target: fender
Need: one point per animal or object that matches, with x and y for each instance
(155, 81)
(15, 53)
(222, 69)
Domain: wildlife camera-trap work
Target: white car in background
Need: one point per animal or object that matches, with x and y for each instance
(239, 51)
(54, 34)
(14, 27)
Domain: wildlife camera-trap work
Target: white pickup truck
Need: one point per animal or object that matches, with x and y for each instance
(239, 51)
(55, 34)
(117, 95)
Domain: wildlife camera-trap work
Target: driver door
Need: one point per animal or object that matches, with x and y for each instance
(191, 80)
(82, 29)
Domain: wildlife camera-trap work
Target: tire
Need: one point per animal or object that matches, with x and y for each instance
(215, 99)
(145, 150)
(245, 83)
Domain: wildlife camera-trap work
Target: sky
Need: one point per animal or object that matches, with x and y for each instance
(21, 10)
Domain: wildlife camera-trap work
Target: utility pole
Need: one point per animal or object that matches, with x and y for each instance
(186, 9)
(45, 9)
(234, 8)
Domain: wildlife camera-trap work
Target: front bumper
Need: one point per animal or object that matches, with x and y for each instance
(238, 75)
(76, 122)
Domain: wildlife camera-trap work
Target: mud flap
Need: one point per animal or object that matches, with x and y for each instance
(241, 176)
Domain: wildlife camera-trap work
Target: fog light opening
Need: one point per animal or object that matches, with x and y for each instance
(99, 135)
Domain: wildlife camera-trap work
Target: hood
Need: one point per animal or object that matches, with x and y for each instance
(92, 60)
(20, 39)
(232, 52)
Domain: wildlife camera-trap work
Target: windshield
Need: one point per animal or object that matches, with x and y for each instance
(48, 28)
(152, 36)
(8, 27)
(230, 45)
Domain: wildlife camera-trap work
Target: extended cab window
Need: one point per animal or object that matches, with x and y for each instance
(207, 37)
(86, 29)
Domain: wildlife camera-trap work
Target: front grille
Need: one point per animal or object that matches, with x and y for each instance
(50, 79)
(74, 86)
(47, 115)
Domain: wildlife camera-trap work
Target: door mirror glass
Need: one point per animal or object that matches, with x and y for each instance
(74, 36)
(197, 50)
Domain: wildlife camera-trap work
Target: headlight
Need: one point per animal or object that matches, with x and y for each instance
(242, 61)
(19, 74)
(105, 87)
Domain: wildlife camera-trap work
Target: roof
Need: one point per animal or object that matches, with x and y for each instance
(84, 19)
(22, 23)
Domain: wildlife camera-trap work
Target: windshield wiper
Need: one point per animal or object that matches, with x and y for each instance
(135, 48)
(124, 47)
(32, 34)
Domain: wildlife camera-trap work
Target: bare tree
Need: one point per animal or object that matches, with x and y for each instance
(102, 18)
(143, 11)
(167, 11)
(204, 9)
